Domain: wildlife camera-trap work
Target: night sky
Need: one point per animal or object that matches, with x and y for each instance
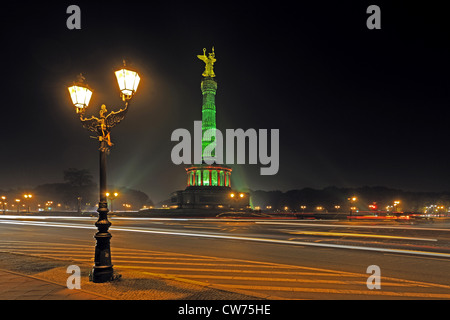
(354, 106)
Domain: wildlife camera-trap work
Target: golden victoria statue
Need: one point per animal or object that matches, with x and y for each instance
(209, 61)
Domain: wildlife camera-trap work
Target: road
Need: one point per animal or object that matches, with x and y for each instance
(274, 259)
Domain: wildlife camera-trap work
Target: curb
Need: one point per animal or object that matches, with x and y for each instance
(58, 284)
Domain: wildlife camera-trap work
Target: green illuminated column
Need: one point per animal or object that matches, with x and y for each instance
(209, 88)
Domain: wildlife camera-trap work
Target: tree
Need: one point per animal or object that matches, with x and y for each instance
(80, 185)
(78, 178)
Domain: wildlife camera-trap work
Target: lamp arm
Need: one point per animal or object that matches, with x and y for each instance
(115, 117)
(91, 123)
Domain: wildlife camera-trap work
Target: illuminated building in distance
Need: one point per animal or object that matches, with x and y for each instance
(209, 185)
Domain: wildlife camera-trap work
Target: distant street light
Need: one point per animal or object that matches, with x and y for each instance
(18, 206)
(396, 203)
(352, 200)
(4, 204)
(112, 197)
(28, 197)
(81, 94)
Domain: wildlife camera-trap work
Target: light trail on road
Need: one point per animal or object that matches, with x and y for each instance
(323, 225)
(232, 237)
(268, 280)
(358, 235)
(249, 257)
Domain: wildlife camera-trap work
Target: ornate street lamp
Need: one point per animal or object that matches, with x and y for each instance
(81, 94)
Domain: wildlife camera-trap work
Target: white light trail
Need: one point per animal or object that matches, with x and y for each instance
(223, 236)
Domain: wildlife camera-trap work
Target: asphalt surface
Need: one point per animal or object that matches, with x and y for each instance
(237, 259)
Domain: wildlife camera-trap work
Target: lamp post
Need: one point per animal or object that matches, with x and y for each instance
(18, 205)
(396, 205)
(28, 197)
(81, 94)
(352, 201)
(112, 197)
(233, 200)
(4, 204)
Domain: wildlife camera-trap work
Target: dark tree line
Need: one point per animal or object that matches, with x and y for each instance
(79, 193)
(330, 197)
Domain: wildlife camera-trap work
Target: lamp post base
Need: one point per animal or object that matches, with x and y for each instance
(103, 274)
(103, 268)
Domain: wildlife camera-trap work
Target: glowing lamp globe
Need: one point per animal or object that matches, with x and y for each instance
(81, 94)
(128, 83)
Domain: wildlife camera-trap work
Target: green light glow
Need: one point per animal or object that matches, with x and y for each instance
(209, 176)
(206, 177)
(199, 178)
(209, 88)
(214, 181)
